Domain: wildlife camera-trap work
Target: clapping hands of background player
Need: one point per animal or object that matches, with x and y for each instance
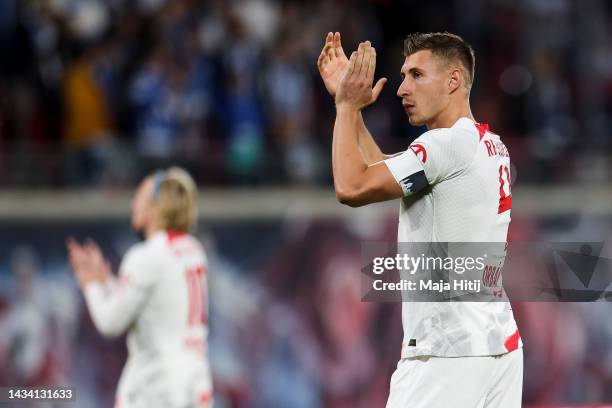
(355, 89)
(87, 262)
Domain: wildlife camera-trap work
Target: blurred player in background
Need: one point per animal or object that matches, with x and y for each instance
(454, 183)
(37, 334)
(158, 298)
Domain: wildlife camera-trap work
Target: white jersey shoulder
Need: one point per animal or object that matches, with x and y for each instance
(140, 265)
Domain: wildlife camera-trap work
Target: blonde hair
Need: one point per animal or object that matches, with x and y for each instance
(177, 200)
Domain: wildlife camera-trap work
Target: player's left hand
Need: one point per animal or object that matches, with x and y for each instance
(87, 262)
(355, 90)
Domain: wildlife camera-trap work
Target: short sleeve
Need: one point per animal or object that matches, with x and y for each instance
(408, 171)
(444, 153)
(439, 154)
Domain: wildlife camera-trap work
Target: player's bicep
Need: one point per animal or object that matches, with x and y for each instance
(385, 157)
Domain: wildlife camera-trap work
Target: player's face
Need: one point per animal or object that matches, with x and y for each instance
(142, 204)
(423, 90)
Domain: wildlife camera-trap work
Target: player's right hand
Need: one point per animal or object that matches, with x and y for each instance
(332, 63)
(355, 91)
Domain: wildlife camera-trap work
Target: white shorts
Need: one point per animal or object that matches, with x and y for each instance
(160, 400)
(165, 383)
(463, 382)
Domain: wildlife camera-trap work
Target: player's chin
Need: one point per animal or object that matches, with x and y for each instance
(415, 120)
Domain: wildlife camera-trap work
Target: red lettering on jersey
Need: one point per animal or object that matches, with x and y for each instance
(489, 150)
(195, 344)
(195, 293)
(505, 204)
(505, 200)
(511, 342)
(501, 149)
(491, 275)
(496, 149)
(418, 148)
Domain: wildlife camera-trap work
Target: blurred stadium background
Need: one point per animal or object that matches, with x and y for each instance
(95, 94)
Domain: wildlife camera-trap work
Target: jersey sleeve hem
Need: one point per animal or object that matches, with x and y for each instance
(408, 171)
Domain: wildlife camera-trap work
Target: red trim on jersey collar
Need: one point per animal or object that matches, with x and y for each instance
(482, 128)
(174, 234)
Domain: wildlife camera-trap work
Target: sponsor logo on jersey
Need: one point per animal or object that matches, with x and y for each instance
(419, 151)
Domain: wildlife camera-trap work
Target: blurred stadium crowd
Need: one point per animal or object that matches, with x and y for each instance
(99, 92)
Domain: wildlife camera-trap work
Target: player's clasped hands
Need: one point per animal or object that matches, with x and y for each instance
(355, 76)
(355, 89)
(87, 262)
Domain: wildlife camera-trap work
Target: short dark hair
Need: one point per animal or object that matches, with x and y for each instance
(445, 45)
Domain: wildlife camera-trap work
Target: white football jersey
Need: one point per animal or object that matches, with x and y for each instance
(456, 184)
(160, 299)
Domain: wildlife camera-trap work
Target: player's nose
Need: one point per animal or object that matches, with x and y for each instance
(403, 90)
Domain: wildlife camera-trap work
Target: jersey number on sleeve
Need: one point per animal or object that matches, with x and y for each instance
(505, 199)
(196, 315)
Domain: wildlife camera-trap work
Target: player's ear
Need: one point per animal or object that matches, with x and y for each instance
(455, 80)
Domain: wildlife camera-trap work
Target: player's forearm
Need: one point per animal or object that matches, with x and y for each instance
(369, 149)
(347, 160)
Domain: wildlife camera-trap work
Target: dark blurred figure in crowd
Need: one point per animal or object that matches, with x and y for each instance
(227, 89)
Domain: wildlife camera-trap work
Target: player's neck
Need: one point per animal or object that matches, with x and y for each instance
(151, 229)
(448, 117)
